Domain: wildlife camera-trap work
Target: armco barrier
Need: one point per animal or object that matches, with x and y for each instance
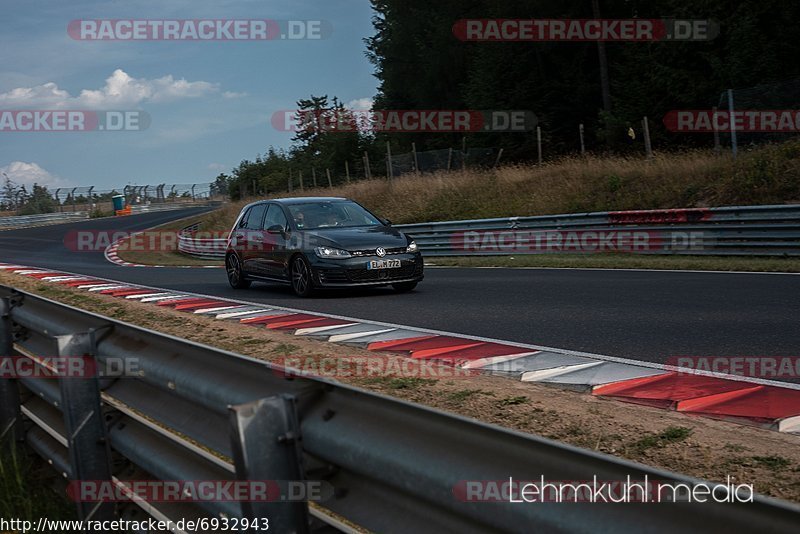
(728, 231)
(191, 413)
(22, 221)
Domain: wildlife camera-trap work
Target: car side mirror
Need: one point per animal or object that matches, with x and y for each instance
(387, 222)
(275, 229)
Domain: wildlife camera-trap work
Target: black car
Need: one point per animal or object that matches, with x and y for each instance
(315, 243)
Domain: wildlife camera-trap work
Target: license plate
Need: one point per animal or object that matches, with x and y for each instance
(383, 264)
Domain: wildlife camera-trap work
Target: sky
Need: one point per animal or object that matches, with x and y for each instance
(210, 103)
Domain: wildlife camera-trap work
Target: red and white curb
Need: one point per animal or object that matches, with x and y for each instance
(765, 403)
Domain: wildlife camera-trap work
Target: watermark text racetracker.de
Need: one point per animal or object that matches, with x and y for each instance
(30, 120)
(57, 367)
(742, 120)
(767, 367)
(543, 30)
(405, 120)
(373, 366)
(197, 29)
(576, 241)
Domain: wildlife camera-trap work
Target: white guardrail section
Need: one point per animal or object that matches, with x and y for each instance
(22, 221)
(733, 231)
(157, 408)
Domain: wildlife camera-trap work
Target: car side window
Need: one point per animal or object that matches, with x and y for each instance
(275, 216)
(252, 221)
(243, 220)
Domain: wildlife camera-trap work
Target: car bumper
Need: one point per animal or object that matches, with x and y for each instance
(353, 272)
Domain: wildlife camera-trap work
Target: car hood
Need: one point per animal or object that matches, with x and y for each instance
(357, 238)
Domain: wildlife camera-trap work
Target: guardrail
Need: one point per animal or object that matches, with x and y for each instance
(188, 412)
(734, 231)
(20, 221)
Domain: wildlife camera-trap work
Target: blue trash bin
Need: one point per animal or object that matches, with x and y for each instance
(119, 202)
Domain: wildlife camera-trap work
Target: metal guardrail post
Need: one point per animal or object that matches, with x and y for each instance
(86, 432)
(267, 447)
(10, 418)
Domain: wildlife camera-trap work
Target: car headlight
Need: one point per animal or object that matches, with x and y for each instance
(412, 247)
(331, 253)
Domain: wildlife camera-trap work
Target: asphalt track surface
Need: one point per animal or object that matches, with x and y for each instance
(642, 315)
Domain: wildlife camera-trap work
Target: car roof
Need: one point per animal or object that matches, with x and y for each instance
(292, 201)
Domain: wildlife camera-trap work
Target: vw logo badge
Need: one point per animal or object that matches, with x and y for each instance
(380, 251)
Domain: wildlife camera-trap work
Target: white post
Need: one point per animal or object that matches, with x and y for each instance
(647, 146)
(539, 142)
(732, 121)
(583, 146)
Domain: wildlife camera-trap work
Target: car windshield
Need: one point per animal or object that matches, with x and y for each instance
(325, 214)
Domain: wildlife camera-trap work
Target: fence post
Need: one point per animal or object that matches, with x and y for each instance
(72, 194)
(464, 153)
(301, 181)
(10, 418)
(583, 146)
(265, 435)
(314, 177)
(347, 170)
(499, 155)
(416, 162)
(734, 140)
(330, 184)
(647, 146)
(289, 181)
(89, 200)
(450, 158)
(367, 170)
(84, 421)
(58, 200)
(717, 147)
(193, 186)
(389, 169)
(539, 142)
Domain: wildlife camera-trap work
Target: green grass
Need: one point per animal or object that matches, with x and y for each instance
(513, 401)
(401, 383)
(772, 462)
(673, 434)
(25, 490)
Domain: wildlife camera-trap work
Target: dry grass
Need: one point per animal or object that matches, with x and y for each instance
(765, 175)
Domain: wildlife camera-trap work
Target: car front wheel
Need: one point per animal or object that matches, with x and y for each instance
(301, 277)
(235, 276)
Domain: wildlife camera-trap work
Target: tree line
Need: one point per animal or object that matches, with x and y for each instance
(420, 64)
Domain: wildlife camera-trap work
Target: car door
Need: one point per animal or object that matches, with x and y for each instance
(276, 250)
(249, 238)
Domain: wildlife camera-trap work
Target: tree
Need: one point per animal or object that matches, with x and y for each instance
(39, 201)
(9, 193)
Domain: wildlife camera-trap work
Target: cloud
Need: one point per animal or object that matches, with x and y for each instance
(216, 167)
(231, 94)
(120, 91)
(27, 174)
(360, 104)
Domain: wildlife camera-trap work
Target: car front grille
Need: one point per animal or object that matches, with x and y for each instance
(371, 252)
(377, 275)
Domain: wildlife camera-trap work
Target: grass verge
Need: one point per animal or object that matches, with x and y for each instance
(26, 489)
(699, 447)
